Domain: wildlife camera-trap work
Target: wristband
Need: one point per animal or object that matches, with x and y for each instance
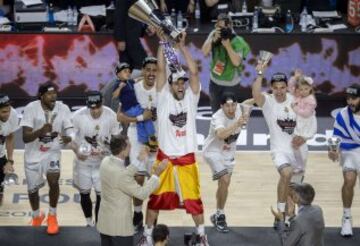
(140, 118)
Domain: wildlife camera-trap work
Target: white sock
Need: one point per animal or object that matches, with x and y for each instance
(281, 207)
(219, 211)
(52, 210)
(201, 229)
(148, 231)
(36, 213)
(347, 212)
(89, 221)
(138, 209)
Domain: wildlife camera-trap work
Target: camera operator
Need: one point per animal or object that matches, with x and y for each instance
(228, 51)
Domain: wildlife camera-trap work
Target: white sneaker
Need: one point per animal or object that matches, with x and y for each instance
(346, 228)
(203, 241)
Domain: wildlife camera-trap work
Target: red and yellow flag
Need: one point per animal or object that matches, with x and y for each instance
(179, 185)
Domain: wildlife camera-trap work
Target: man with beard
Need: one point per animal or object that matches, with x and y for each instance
(219, 151)
(94, 125)
(347, 128)
(281, 121)
(146, 95)
(9, 123)
(46, 127)
(176, 111)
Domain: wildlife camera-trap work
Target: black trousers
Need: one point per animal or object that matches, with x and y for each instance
(216, 92)
(116, 241)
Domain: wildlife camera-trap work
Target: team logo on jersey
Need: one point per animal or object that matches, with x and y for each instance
(2, 139)
(232, 138)
(287, 125)
(92, 140)
(178, 120)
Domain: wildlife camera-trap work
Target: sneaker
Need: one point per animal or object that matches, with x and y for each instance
(346, 228)
(37, 221)
(138, 221)
(145, 241)
(53, 227)
(219, 221)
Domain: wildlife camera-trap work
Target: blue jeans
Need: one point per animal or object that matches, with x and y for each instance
(145, 129)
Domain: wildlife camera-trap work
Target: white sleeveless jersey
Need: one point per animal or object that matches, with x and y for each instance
(8, 127)
(177, 122)
(34, 117)
(96, 132)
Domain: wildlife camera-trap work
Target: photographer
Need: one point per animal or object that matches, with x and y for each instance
(227, 54)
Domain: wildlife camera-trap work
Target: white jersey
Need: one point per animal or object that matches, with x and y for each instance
(95, 131)
(177, 122)
(34, 117)
(146, 99)
(8, 127)
(226, 147)
(281, 120)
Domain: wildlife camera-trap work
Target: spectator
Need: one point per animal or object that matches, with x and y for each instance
(160, 235)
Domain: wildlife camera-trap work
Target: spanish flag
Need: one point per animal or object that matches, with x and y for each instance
(179, 185)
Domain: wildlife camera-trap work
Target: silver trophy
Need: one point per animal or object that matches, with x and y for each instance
(246, 111)
(147, 12)
(265, 57)
(334, 144)
(85, 149)
(11, 179)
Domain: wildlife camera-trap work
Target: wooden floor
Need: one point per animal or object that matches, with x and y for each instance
(252, 192)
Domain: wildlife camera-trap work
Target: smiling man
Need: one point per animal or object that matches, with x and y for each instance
(347, 128)
(46, 127)
(281, 121)
(219, 151)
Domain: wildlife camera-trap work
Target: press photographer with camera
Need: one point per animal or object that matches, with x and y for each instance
(228, 51)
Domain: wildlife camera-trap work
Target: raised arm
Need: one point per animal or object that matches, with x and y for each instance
(161, 70)
(193, 69)
(259, 98)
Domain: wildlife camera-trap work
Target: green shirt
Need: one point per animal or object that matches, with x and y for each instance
(219, 54)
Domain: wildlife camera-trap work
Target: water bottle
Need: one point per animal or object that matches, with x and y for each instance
(244, 7)
(289, 24)
(50, 15)
(75, 16)
(255, 23)
(303, 20)
(197, 10)
(173, 17)
(69, 16)
(179, 24)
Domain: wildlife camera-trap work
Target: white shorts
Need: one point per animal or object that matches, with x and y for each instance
(219, 164)
(35, 172)
(86, 176)
(296, 159)
(350, 160)
(144, 168)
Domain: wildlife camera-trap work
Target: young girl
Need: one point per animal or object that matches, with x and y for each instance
(304, 106)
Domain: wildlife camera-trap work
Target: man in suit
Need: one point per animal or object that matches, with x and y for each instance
(118, 189)
(307, 227)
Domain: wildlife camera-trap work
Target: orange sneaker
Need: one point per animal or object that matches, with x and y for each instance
(37, 221)
(53, 227)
